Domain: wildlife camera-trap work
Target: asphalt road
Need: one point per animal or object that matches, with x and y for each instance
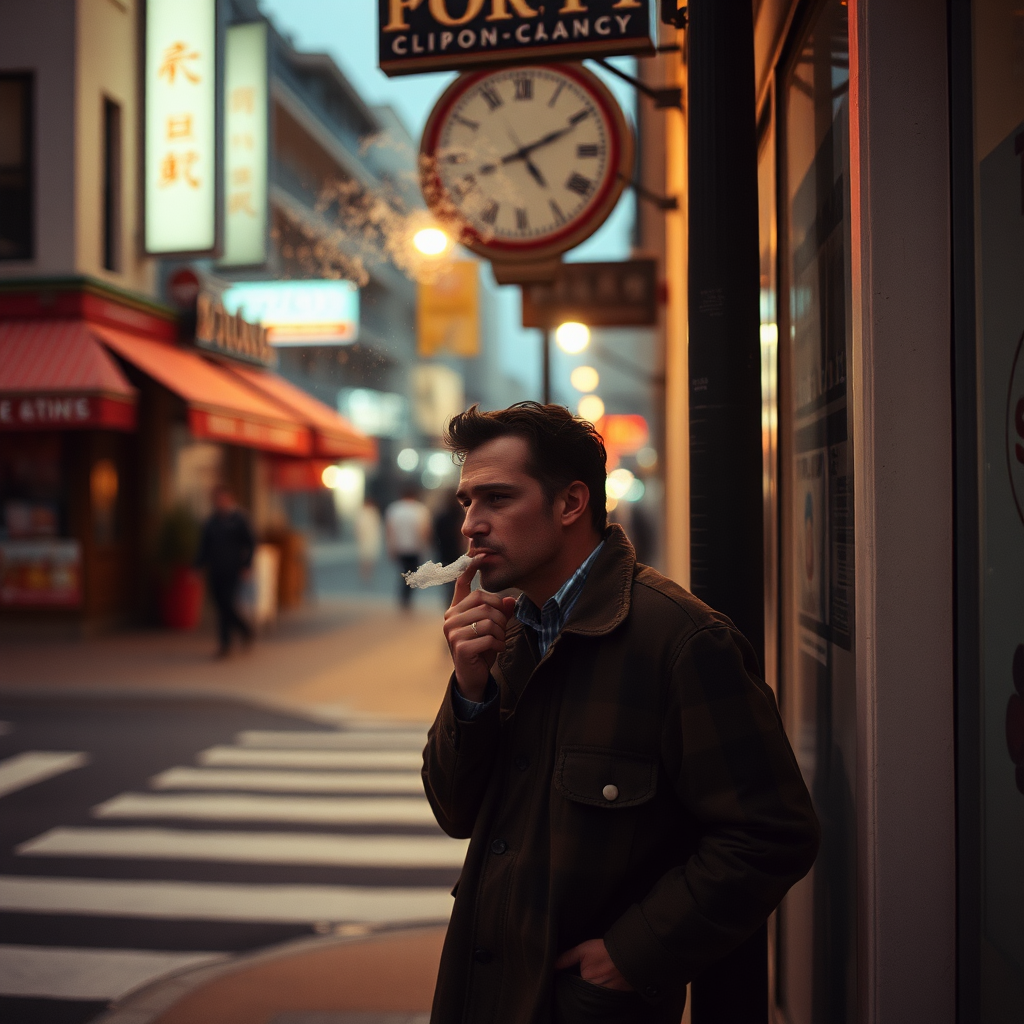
(143, 836)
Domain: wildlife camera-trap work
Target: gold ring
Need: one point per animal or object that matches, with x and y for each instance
(475, 630)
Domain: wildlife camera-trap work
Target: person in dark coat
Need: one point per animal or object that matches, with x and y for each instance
(226, 550)
(448, 537)
(634, 809)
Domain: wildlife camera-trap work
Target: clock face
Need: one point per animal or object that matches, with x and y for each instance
(527, 159)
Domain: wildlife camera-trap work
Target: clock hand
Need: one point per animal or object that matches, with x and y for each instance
(525, 157)
(524, 151)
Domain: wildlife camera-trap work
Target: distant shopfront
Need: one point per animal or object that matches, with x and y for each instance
(107, 423)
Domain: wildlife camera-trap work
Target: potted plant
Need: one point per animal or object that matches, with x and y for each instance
(181, 585)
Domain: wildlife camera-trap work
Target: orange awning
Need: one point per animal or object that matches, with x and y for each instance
(333, 436)
(54, 374)
(220, 406)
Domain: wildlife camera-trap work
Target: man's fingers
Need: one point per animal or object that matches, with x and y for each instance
(475, 600)
(464, 583)
(568, 958)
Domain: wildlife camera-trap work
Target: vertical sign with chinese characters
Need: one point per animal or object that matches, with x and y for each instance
(181, 126)
(245, 145)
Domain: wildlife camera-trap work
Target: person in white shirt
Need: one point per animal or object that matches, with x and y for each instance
(408, 525)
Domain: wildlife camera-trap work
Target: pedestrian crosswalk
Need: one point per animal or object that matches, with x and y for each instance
(274, 835)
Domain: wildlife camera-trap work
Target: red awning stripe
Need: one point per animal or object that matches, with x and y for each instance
(66, 411)
(221, 406)
(51, 356)
(333, 436)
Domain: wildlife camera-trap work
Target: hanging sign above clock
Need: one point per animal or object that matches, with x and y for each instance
(449, 35)
(524, 163)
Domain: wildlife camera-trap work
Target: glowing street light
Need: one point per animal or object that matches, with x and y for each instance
(584, 378)
(590, 408)
(430, 241)
(572, 337)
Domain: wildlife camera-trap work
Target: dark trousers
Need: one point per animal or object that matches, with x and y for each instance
(224, 591)
(406, 563)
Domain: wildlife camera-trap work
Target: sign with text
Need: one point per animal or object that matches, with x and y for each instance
(40, 573)
(246, 115)
(448, 35)
(299, 312)
(63, 411)
(180, 173)
(616, 294)
(448, 311)
(230, 335)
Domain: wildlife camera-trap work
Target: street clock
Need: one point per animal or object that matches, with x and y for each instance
(523, 163)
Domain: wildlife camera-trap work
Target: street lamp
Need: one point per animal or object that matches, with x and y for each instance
(591, 408)
(584, 378)
(430, 241)
(572, 337)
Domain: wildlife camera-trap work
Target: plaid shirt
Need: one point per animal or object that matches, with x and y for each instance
(547, 622)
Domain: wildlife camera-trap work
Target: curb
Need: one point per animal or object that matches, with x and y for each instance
(146, 1004)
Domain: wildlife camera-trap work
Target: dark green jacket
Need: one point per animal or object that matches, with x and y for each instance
(649, 691)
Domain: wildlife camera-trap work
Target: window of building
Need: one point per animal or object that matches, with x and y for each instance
(111, 185)
(815, 441)
(16, 200)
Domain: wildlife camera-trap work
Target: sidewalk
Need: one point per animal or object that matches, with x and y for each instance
(336, 657)
(383, 979)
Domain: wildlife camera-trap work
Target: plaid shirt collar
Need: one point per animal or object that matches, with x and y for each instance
(547, 622)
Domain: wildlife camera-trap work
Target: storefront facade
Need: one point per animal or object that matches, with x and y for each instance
(108, 424)
(890, 147)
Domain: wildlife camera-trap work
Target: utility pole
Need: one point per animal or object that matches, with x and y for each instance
(727, 545)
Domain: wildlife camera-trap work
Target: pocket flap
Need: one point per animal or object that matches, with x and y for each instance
(605, 778)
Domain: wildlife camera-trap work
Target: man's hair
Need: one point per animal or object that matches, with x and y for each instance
(563, 448)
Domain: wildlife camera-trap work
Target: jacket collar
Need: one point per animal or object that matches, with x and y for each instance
(604, 602)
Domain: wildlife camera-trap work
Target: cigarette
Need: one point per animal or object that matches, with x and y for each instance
(432, 574)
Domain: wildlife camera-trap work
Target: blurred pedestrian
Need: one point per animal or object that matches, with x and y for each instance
(448, 538)
(408, 526)
(369, 538)
(226, 550)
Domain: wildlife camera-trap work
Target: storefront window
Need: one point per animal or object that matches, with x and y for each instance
(816, 679)
(998, 81)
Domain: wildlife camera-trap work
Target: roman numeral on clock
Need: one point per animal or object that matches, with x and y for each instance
(464, 186)
(522, 223)
(580, 185)
(557, 211)
(493, 99)
(490, 215)
(466, 122)
(587, 149)
(524, 88)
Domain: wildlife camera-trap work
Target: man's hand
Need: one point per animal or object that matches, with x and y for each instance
(596, 966)
(474, 627)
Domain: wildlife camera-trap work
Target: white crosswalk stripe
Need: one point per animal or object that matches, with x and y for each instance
(282, 904)
(377, 740)
(395, 760)
(301, 793)
(57, 972)
(326, 810)
(32, 766)
(269, 780)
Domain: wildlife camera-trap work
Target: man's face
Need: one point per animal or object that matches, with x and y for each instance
(508, 516)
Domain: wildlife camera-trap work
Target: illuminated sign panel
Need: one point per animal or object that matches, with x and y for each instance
(245, 145)
(448, 35)
(181, 143)
(299, 312)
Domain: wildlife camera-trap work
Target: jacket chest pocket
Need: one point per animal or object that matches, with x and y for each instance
(605, 778)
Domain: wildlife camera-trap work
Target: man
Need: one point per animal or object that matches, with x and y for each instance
(226, 549)
(408, 526)
(634, 808)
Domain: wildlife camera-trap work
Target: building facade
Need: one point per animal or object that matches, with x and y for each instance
(110, 413)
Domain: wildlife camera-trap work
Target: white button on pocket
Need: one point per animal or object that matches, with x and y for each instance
(610, 792)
